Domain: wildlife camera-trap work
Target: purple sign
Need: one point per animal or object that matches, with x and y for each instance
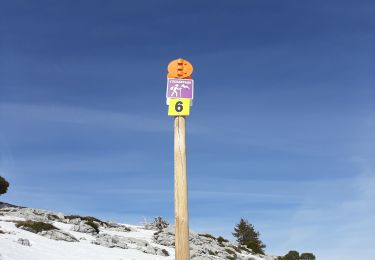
(180, 88)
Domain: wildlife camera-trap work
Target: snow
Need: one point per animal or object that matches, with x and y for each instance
(139, 242)
(46, 249)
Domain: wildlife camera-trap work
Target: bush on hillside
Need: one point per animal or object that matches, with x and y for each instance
(291, 255)
(220, 239)
(3, 185)
(86, 218)
(34, 226)
(307, 256)
(208, 236)
(294, 255)
(165, 252)
(159, 223)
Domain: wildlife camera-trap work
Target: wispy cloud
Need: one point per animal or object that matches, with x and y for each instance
(335, 227)
(24, 113)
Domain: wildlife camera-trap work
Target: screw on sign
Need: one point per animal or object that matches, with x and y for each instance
(179, 95)
(180, 69)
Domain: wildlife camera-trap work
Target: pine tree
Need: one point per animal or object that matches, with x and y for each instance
(3, 185)
(247, 236)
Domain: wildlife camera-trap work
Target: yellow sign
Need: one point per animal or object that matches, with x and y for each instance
(179, 107)
(180, 68)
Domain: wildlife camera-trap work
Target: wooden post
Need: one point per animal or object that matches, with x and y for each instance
(180, 191)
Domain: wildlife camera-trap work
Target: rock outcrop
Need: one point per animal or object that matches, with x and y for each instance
(111, 241)
(204, 246)
(24, 242)
(84, 228)
(58, 235)
(32, 214)
(117, 227)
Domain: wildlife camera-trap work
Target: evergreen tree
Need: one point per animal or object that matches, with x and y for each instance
(3, 185)
(307, 256)
(291, 255)
(246, 235)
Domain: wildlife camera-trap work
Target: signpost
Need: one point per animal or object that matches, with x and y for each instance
(180, 92)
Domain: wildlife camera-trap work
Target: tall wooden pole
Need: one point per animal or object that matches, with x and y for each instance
(180, 191)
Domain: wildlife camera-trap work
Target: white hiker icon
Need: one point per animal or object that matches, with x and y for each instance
(176, 88)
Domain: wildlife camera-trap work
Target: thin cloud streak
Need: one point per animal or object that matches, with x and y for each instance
(337, 230)
(80, 116)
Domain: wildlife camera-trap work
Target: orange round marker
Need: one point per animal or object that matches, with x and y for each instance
(180, 68)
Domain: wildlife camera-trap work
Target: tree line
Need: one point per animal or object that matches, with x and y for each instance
(246, 235)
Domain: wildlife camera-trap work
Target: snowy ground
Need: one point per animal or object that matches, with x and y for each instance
(114, 241)
(46, 249)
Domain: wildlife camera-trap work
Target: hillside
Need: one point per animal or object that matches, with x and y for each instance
(34, 234)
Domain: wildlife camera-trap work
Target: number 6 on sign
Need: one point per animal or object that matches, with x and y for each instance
(179, 107)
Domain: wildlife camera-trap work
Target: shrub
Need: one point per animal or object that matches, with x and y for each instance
(230, 251)
(72, 216)
(291, 255)
(87, 218)
(52, 217)
(3, 185)
(159, 223)
(35, 226)
(220, 239)
(157, 232)
(307, 256)
(92, 219)
(247, 236)
(208, 236)
(244, 248)
(89, 221)
(165, 252)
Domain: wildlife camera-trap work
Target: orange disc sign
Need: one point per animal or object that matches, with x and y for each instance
(180, 68)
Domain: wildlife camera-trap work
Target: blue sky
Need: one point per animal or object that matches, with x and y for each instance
(282, 131)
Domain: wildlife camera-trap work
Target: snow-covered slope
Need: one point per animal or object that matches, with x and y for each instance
(113, 242)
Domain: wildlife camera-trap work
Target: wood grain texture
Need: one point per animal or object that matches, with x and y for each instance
(180, 190)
